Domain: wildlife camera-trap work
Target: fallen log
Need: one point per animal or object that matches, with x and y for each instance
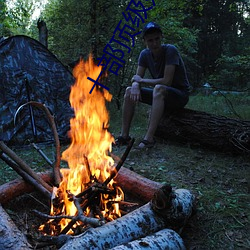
(150, 218)
(161, 240)
(10, 237)
(212, 131)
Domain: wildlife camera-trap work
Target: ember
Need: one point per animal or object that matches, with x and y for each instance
(87, 188)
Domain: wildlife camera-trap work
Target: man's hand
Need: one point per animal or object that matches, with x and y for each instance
(135, 93)
(136, 78)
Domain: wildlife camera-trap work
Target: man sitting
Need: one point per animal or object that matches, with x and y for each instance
(168, 89)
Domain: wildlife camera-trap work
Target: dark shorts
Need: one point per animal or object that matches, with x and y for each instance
(174, 100)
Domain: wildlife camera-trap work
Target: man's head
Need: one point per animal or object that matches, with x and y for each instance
(152, 36)
(150, 28)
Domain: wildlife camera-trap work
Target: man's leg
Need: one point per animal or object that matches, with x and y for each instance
(156, 112)
(127, 113)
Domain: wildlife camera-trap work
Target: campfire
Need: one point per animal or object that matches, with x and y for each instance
(87, 188)
(87, 198)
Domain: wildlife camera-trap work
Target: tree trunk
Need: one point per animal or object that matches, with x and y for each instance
(10, 237)
(212, 131)
(43, 32)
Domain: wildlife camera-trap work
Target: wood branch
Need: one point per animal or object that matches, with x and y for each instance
(35, 146)
(120, 163)
(23, 165)
(143, 221)
(212, 131)
(163, 239)
(26, 176)
(10, 237)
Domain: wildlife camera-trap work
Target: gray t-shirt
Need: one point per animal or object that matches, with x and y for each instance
(171, 56)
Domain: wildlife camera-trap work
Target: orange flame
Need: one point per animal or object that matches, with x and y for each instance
(87, 156)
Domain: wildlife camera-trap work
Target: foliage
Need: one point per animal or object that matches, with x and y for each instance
(223, 31)
(4, 19)
(20, 14)
(171, 15)
(212, 35)
(232, 72)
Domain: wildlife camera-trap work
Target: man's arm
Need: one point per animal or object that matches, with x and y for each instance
(135, 93)
(166, 80)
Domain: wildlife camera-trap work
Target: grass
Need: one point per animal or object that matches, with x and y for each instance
(220, 181)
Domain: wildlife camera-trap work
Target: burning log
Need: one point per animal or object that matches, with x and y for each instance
(165, 210)
(216, 132)
(10, 237)
(163, 239)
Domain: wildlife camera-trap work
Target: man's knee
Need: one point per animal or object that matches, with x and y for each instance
(127, 92)
(159, 90)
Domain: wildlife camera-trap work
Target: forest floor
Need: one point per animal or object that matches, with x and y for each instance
(219, 180)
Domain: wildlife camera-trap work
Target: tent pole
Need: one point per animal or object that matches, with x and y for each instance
(33, 125)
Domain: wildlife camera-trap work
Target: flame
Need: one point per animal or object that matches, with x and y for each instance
(88, 155)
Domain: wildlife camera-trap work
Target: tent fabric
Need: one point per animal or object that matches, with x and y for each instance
(30, 72)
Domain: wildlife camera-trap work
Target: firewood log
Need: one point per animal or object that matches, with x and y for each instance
(136, 185)
(10, 237)
(18, 187)
(161, 240)
(150, 218)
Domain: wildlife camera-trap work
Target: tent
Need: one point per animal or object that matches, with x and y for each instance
(30, 72)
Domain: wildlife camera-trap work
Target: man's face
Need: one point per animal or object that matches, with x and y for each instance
(153, 40)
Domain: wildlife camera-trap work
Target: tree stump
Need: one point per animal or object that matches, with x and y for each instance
(43, 32)
(212, 131)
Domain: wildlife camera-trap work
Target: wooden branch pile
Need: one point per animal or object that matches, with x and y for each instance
(150, 224)
(212, 131)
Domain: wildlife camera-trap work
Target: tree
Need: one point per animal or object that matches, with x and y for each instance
(172, 15)
(4, 20)
(20, 16)
(223, 31)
